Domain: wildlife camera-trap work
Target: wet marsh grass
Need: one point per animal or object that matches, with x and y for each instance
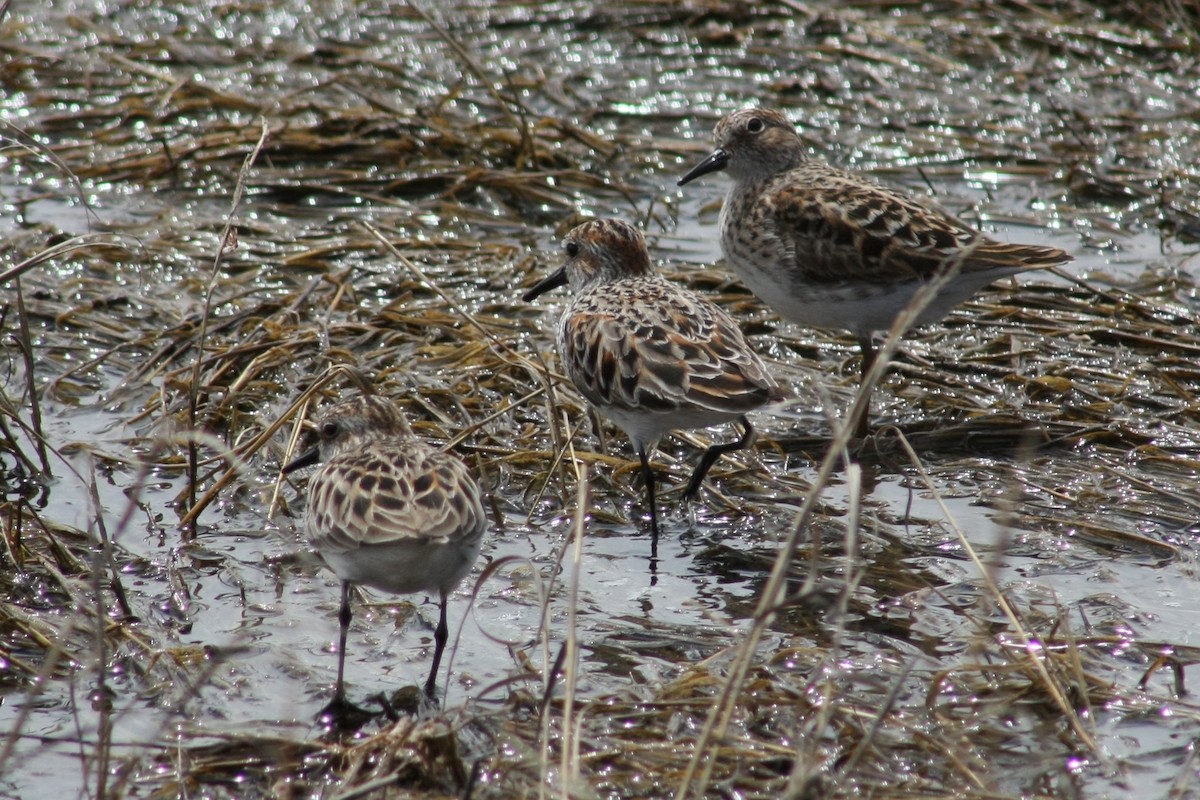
(383, 224)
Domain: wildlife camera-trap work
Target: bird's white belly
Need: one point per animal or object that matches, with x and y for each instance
(405, 566)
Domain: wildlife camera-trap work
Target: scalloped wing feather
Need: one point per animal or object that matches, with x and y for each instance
(840, 227)
(647, 344)
(392, 492)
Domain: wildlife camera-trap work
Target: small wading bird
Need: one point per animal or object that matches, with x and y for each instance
(831, 249)
(388, 511)
(651, 356)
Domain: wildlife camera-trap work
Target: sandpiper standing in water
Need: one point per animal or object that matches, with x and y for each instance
(388, 511)
(649, 355)
(831, 249)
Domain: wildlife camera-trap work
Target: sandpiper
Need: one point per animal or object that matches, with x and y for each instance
(831, 249)
(651, 356)
(389, 511)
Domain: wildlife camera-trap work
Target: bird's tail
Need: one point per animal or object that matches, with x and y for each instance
(1020, 256)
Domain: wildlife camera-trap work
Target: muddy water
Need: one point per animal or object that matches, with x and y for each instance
(1015, 130)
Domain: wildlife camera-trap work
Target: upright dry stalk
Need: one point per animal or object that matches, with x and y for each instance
(568, 656)
(696, 777)
(1034, 652)
(569, 757)
(227, 242)
(35, 409)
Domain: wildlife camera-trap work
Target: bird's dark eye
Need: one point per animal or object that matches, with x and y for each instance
(329, 430)
(572, 249)
(755, 125)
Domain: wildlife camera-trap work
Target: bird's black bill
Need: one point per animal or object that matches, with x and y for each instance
(552, 281)
(306, 459)
(714, 163)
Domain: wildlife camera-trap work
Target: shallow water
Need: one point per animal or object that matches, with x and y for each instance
(877, 91)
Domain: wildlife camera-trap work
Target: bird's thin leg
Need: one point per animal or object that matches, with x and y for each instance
(440, 635)
(340, 712)
(862, 425)
(339, 694)
(868, 354)
(713, 453)
(648, 477)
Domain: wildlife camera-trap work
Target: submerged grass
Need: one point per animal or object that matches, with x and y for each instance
(393, 200)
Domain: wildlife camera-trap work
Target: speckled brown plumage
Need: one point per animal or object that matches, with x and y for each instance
(389, 511)
(650, 355)
(832, 249)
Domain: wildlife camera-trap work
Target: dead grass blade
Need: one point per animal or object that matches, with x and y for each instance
(227, 241)
(696, 777)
